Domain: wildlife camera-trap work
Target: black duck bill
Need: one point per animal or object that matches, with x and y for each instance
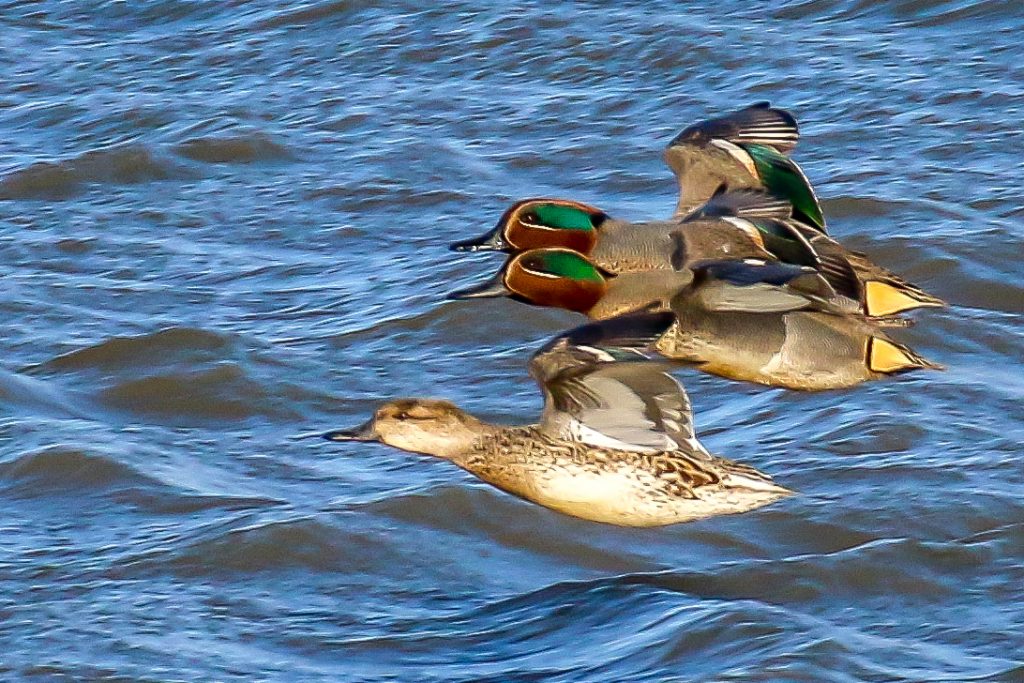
(363, 432)
(555, 277)
(537, 223)
(494, 240)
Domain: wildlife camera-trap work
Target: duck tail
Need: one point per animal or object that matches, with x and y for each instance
(892, 321)
(889, 295)
(739, 475)
(884, 292)
(888, 357)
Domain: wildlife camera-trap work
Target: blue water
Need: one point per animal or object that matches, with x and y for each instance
(223, 225)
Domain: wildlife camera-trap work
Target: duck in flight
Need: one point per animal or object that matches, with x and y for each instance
(757, 321)
(614, 444)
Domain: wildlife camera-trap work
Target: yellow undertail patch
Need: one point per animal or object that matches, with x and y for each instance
(883, 299)
(886, 356)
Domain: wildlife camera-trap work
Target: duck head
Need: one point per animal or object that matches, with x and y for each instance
(558, 278)
(420, 425)
(536, 223)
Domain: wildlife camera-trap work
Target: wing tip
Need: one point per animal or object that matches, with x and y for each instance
(637, 331)
(756, 123)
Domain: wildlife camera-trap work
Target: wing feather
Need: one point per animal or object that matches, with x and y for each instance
(594, 395)
(759, 124)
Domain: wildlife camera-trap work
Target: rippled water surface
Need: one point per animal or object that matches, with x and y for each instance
(223, 225)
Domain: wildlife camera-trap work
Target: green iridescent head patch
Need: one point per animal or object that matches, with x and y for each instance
(565, 264)
(562, 217)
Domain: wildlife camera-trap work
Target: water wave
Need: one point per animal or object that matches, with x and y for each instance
(921, 13)
(661, 634)
(144, 351)
(65, 470)
(224, 392)
(310, 14)
(62, 471)
(123, 165)
(22, 393)
(235, 149)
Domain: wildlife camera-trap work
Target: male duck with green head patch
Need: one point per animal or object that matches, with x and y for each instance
(732, 224)
(744, 149)
(764, 322)
(562, 278)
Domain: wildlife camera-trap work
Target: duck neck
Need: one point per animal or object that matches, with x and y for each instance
(465, 444)
(455, 438)
(503, 457)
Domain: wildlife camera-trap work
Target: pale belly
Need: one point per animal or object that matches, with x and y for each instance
(627, 497)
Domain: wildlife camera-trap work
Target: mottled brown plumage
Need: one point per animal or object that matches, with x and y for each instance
(614, 444)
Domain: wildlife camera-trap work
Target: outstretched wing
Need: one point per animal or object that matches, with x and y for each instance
(759, 124)
(599, 388)
(753, 286)
(748, 204)
(784, 178)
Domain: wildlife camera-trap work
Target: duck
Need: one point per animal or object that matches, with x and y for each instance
(614, 443)
(563, 278)
(747, 148)
(620, 246)
(763, 322)
(730, 225)
(881, 292)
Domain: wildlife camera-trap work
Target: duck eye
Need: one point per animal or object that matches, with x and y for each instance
(404, 415)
